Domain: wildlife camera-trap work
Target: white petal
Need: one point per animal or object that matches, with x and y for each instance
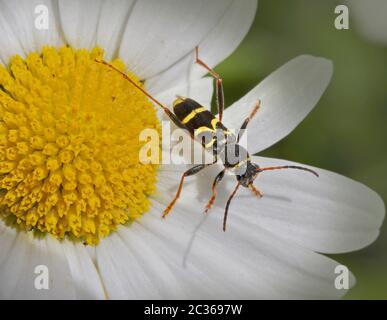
(241, 263)
(287, 96)
(223, 39)
(121, 269)
(111, 25)
(369, 19)
(227, 35)
(85, 276)
(9, 43)
(8, 238)
(21, 16)
(71, 272)
(17, 270)
(131, 269)
(200, 90)
(79, 21)
(236, 264)
(330, 214)
(159, 33)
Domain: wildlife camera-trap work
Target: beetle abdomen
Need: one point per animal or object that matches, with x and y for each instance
(199, 121)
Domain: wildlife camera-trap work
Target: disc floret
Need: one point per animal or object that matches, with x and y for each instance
(69, 145)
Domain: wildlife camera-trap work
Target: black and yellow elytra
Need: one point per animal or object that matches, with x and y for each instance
(201, 123)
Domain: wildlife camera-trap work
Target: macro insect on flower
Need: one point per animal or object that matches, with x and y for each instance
(75, 198)
(199, 121)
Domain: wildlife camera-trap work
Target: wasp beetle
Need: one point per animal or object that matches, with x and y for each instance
(197, 120)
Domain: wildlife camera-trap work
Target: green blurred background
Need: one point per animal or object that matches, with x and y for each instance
(347, 130)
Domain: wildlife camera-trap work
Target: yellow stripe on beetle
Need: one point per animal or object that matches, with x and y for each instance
(193, 114)
(178, 100)
(210, 144)
(214, 122)
(203, 129)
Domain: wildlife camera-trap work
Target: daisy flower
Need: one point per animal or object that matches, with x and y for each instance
(76, 200)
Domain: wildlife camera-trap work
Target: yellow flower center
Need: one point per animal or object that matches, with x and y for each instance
(69, 145)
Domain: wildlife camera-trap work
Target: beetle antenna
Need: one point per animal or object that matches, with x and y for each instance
(287, 167)
(133, 83)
